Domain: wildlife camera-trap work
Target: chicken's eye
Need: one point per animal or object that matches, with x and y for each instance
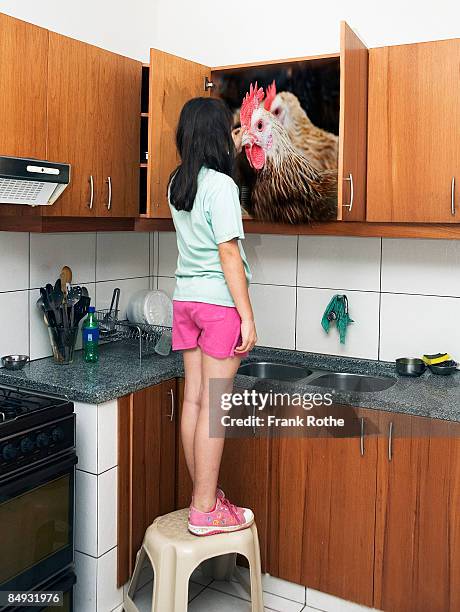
(277, 111)
(260, 125)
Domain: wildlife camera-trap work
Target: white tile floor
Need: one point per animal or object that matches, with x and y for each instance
(206, 595)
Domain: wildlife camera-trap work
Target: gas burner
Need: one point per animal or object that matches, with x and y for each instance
(18, 404)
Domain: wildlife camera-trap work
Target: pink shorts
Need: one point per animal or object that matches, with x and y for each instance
(215, 329)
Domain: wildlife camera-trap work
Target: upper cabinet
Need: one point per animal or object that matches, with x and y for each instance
(413, 133)
(321, 101)
(23, 86)
(94, 124)
(173, 81)
(354, 58)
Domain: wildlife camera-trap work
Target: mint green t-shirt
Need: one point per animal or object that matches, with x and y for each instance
(214, 218)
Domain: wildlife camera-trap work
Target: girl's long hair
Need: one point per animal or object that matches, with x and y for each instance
(203, 138)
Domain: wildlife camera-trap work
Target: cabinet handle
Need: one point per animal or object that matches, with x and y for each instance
(171, 414)
(361, 438)
(352, 192)
(91, 192)
(109, 201)
(390, 441)
(452, 196)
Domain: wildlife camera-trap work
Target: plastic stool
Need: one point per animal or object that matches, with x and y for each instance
(175, 553)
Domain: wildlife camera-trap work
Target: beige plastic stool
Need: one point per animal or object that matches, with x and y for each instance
(174, 553)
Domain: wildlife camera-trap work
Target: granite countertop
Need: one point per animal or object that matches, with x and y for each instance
(120, 372)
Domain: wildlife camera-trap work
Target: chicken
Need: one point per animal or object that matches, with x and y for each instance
(319, 146)
(286, 188)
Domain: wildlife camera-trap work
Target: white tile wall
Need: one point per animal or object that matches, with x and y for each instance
(362, 339)
(403, 294)
(14, 261)
(100, 261)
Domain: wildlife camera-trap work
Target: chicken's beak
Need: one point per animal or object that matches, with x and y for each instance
(246, 139)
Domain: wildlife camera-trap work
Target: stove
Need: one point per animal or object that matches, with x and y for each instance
(37, 482)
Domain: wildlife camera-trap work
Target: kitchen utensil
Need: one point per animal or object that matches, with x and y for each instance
(410, 367)
(14, 362)
(158, 308)
(81, 308)
(108, 322)
(163, 346)
(73, 296)
(444, 368)
(65, 278)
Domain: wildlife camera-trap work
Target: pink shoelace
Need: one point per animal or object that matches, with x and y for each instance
(232, 509)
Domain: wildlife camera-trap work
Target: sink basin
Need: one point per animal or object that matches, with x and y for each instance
(353, 382)
(274, 371)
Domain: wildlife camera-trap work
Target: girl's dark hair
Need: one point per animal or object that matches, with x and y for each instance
(203, 138)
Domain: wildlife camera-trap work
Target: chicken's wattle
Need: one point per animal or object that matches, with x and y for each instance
(256, 156)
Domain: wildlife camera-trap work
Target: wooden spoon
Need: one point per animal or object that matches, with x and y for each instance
(66, 278)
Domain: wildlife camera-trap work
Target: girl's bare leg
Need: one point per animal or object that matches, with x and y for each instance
(208, 451)
(192, 404)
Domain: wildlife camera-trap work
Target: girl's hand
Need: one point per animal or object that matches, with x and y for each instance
(248, 336)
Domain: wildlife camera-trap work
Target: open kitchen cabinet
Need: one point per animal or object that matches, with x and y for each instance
(331, 89)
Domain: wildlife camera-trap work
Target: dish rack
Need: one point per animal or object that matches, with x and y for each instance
(113, 329)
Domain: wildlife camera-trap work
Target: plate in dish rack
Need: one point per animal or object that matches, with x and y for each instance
(158, 308)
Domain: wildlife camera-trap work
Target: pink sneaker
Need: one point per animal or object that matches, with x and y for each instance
(223, 518)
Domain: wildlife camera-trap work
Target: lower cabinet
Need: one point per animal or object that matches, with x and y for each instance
(372, 517)
(146, 466)
(322, 509)
(417, 538)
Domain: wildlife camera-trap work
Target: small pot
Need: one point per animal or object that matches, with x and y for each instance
(445, 368)
(14, 362)
(410, 367)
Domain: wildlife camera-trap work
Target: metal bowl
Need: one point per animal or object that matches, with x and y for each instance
(14, 362)
(445, 368)
(410, 367)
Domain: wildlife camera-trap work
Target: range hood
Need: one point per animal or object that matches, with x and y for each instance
(31, 181)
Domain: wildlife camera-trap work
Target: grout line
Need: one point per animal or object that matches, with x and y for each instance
(92, 473)
(296, 292)
(92, 556)
(380, 300)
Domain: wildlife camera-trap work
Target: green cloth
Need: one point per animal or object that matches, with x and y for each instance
(337, 310)
(214, 218)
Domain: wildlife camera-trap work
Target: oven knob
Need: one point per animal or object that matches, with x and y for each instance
(9, 452)
(43, 440)
(27, 445)
(57, 434)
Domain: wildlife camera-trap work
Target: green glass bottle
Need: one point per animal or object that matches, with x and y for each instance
(90, 333)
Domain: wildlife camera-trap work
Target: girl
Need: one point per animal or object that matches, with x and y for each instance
(213, 321)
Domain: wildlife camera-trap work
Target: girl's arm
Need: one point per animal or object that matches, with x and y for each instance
(233, 268)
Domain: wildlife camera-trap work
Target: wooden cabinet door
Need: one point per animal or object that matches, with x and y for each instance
(354, 58)
(414, 123)
(73, 122)
(118, 136)
(243, 476)
(322, 509)
(23, 82)
(418, 516)
(173, 81)
(146, 466)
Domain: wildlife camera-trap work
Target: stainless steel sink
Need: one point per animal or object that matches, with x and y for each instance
(274, 371)
(360, 383)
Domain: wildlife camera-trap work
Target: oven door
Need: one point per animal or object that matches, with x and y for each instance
(36, 524)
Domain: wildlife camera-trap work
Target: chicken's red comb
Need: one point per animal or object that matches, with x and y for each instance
(271, 95)
(251, 102)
